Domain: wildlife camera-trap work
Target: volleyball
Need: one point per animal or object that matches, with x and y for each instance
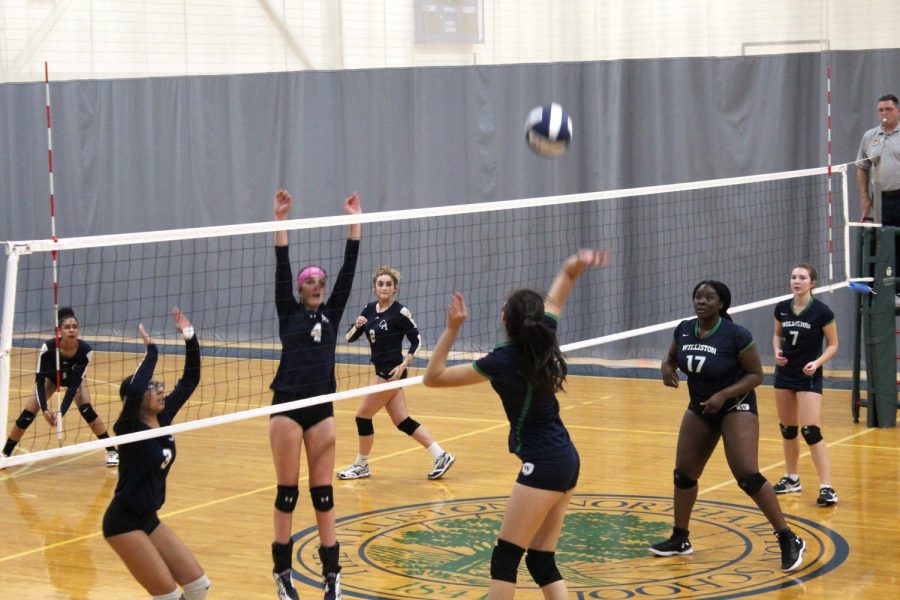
(548, 130)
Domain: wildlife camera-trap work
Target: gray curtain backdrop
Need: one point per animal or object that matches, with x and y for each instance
(146, 154)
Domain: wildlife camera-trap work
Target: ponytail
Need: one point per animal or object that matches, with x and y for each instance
(543, 362)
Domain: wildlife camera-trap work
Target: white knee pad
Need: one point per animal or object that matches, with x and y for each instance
(173, 595)
(197, 589)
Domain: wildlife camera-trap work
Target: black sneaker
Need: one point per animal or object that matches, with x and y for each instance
(827, 497)
(284, 587)
(673, 545)
(787, 485)
(332, 586)
(792, 548)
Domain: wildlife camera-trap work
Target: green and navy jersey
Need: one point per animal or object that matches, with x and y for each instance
(802, 335)
(711, 363)
(309, 337)
(71, 371)
(536, 430)
(144, 465)
(385, 332)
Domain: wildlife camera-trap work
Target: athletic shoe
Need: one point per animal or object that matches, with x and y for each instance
(792, 548)
(673, 545)
(284, 587)
(355, 471)
(827, 497)
(112, 458)
(3, 457)
(332, 586)
(787, 485)
(442, 464)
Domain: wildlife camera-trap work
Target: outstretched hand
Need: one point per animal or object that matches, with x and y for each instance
(588, 257)
(181, 320)
(143, 331)
(282, 204)
(352, 205)
(457, 312)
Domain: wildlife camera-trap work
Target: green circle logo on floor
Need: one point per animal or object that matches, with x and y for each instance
(443, 550)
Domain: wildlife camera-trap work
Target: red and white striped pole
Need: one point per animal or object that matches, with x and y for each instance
(54, 255)
(830, 191)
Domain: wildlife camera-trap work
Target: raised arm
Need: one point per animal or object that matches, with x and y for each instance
(438, 374)
(283, 203)
(190, 377)
(352, 206)
(569, 272)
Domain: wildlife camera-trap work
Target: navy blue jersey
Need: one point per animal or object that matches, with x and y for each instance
(309, 337)
(71, 371)
(802, 336)
(144, 465)
(711, 363)
(385, 332)
(536, 432)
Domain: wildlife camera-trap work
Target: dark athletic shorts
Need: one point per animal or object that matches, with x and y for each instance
(118, 520)
(304, 417)
(559, 474)
(748, 404)
(799, 384)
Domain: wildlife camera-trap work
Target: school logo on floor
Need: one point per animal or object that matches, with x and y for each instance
(443, 550)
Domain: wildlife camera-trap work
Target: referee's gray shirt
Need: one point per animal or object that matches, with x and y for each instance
(881, 150)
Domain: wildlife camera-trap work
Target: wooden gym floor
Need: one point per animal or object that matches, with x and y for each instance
(402, 533)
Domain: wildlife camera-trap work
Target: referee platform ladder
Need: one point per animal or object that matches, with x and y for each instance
(875, 329)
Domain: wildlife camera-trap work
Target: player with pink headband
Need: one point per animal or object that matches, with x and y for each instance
(308, 332)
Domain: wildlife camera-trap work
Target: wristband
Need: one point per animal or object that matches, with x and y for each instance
(188, 333)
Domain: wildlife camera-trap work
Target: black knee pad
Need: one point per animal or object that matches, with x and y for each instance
(322, 498)
(408, 425)
(87, 413)
(286, 498)
(752, 483)
(682, 481)
(542, 566)
(505, 561)
(330, 558)
(811, 435)
(788, 432)
(364, 426)
(25, 419)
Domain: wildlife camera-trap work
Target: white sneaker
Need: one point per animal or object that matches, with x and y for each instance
(442, 464)
(284, 587)
(112, 458)
(355, 471)
(3, 457)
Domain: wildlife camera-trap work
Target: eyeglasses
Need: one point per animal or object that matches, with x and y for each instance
(156, 385)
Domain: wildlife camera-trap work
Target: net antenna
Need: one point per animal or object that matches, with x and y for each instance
(742, 230)
(54, 254)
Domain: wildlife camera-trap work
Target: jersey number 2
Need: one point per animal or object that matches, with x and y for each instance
(167, 458)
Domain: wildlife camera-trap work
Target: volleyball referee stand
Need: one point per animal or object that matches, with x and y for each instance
(875, 328)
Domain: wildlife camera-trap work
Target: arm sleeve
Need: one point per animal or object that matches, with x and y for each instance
(190, 378)
(487, 365)
(340, 295)
(411, 331)
(77, 376)
(134, 396)
(284, 290)
(353, 333)
(43, 369)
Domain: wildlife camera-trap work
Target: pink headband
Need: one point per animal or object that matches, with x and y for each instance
(308, 272)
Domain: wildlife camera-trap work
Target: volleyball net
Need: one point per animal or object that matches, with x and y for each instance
(744, 231)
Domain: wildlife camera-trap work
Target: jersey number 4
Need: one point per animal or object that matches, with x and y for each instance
(695, 363)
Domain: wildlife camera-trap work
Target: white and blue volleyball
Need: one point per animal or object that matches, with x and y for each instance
(548, 130)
